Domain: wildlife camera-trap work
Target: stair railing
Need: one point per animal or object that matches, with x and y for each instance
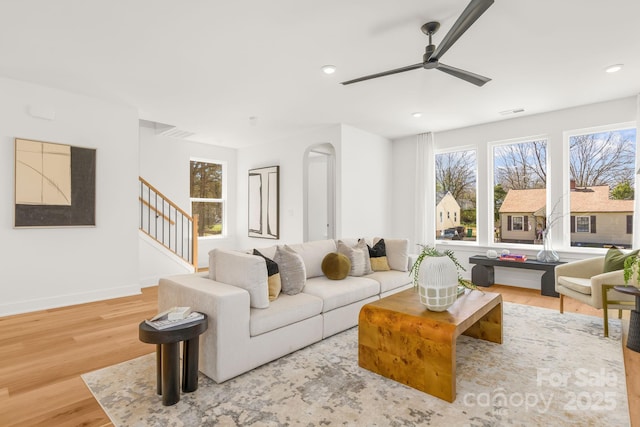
(169, 225)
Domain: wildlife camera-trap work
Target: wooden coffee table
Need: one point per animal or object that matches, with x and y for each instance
(400, 339)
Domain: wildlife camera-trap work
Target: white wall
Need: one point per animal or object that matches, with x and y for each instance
(165, 164)
(403, 201)
(363, 183)
(43, 268)
(550, 125)
(289, 155)
(366, 161)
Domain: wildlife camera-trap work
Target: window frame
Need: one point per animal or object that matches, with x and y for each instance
(566, 170)
(467, 147)
(588, 222)
(222, 200)
(513, 222)
(491, 183)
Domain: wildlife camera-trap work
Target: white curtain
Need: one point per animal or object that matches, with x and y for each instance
(425, 196)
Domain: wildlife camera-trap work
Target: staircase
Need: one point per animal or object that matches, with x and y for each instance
(167, 224)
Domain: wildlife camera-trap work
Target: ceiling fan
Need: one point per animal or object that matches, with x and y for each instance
(432, 55)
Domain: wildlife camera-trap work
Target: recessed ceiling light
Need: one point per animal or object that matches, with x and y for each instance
(328, 69)
(613, 68)
(417, 114)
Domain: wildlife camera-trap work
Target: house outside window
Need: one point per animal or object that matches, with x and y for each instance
(602, 166)
(207, 194)
(519, 190)
(456, 194)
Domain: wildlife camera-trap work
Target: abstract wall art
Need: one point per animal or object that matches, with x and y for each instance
(55, 184)
(264, 212)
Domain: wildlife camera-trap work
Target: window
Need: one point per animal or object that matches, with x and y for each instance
(517, 223)
(582, 224)
(519, 190)
(602, 170)
(456, 195)
(208, 196)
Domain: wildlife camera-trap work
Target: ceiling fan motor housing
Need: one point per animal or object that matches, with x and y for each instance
(427, 62)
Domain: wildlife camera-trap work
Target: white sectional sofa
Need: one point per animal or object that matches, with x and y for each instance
(241, 337)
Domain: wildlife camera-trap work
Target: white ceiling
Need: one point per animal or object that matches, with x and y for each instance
(207, 66)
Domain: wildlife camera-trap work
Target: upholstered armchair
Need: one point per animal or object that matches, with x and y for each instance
(585, 281)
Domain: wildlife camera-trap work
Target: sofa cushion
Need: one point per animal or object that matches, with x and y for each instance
(378, 256)
(390, 280)
(397, 253)
(292, 270)
(244, 271)
(313, 253)
(614, 259)
(336, 266)
(577, 284)
(338, 294)
(273, 273)
(356, 256)
(286, 310)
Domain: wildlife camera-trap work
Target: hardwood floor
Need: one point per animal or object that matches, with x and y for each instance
(44, 353)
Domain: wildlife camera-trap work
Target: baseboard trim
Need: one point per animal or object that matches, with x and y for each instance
(37, 304)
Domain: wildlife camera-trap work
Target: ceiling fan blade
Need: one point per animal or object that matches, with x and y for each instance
(384, 73)
(465, 20)
(476, 79)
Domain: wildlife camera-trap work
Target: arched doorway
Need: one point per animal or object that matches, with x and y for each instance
(319, 192)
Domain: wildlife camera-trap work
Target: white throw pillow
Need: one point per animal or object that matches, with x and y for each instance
(312, 254)
(244, 271)
(397, 253)
(293, 276)
(356, 256)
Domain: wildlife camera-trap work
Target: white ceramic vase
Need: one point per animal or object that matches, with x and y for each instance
(438, 283)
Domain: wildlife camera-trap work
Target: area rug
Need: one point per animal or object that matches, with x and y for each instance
(552, 369)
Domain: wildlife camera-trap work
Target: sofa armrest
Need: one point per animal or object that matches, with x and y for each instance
(228, 310)
(609, 278)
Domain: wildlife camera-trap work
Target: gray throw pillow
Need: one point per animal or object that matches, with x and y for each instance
(357, 257)
(362, 244)
(293, 276)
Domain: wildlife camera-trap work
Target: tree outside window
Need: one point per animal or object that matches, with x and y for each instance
(456, 195)
(207, 196)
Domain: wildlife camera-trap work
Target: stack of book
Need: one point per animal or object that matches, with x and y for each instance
(173, 317)
(513, 257)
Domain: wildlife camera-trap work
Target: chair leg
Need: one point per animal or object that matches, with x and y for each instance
(605, 309)
(620, 313)
(561, 303)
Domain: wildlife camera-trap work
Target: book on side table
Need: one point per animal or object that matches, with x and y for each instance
(173, 317)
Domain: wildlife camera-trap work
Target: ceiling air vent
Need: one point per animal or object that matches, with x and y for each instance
(170, 130)
(174, 132)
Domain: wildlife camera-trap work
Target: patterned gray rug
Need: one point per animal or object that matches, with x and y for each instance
(552, 369)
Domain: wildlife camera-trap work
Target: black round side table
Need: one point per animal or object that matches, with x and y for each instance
(168, 357)
(633, 340)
